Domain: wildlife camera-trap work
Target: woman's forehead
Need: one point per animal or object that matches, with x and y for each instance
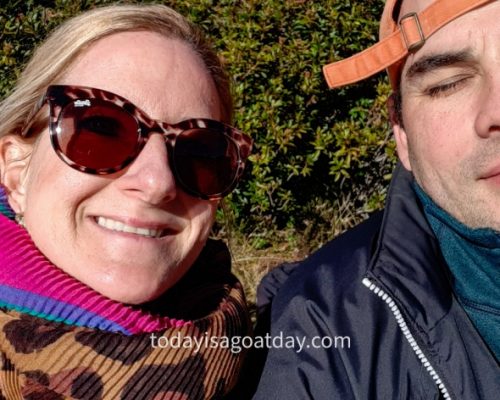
(152, 71)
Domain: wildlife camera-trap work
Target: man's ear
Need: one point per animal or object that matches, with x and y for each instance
(399, 132)
(15, 154)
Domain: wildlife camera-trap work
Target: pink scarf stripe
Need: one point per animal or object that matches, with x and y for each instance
(22, 266)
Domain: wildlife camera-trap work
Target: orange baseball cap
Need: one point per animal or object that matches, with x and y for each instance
(396, 40)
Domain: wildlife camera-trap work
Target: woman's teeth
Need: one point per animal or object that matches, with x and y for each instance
(121, 227)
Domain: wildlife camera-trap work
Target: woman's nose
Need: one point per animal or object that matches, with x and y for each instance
(149, 177)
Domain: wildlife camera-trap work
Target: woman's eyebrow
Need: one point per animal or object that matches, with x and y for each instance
(432, 62)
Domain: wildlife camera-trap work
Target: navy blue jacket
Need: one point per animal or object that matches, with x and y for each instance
(385, 285)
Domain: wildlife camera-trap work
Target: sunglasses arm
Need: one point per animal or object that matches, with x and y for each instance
(31, 117)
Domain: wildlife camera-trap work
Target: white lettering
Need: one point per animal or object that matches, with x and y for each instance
(82, 103)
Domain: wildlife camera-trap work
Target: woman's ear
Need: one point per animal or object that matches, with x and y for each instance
(399, 132)
(15, 154)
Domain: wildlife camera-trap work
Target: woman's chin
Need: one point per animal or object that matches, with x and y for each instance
(130, 288)
(130, 294)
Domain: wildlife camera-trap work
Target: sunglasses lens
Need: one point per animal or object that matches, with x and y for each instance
(97, 134)
(206, 161)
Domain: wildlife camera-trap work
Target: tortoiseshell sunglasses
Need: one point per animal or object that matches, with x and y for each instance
(99, 132)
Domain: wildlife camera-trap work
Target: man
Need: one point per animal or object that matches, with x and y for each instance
(414, 292)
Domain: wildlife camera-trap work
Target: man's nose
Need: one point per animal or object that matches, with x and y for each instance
(487, 122)
(149, 177)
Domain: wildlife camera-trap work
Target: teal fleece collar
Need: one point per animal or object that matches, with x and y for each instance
(473, 256)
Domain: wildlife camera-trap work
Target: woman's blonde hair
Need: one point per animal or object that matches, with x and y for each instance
(53, 57)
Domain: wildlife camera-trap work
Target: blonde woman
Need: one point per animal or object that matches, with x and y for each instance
(115, 148)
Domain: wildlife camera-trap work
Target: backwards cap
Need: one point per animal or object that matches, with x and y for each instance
(397, 40)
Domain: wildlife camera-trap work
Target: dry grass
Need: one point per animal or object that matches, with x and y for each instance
(250, 264)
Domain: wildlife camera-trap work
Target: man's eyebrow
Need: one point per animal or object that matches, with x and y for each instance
(435, 61)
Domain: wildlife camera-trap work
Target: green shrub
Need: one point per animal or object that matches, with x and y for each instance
(322, 158)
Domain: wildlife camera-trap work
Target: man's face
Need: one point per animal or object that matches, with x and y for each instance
(450, 136)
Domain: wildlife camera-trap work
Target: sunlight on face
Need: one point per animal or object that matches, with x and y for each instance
(72, 217)
(451, 100)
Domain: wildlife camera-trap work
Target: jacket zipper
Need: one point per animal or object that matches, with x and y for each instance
(408, 335)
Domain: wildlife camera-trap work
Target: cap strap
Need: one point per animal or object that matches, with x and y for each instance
(413, 29)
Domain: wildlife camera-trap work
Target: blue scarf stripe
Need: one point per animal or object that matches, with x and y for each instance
(4, 205)
(54, 310)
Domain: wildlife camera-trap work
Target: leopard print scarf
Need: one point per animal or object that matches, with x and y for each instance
(44, 359)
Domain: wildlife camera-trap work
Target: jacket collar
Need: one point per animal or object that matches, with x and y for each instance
(407, 260)
(408, 265)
